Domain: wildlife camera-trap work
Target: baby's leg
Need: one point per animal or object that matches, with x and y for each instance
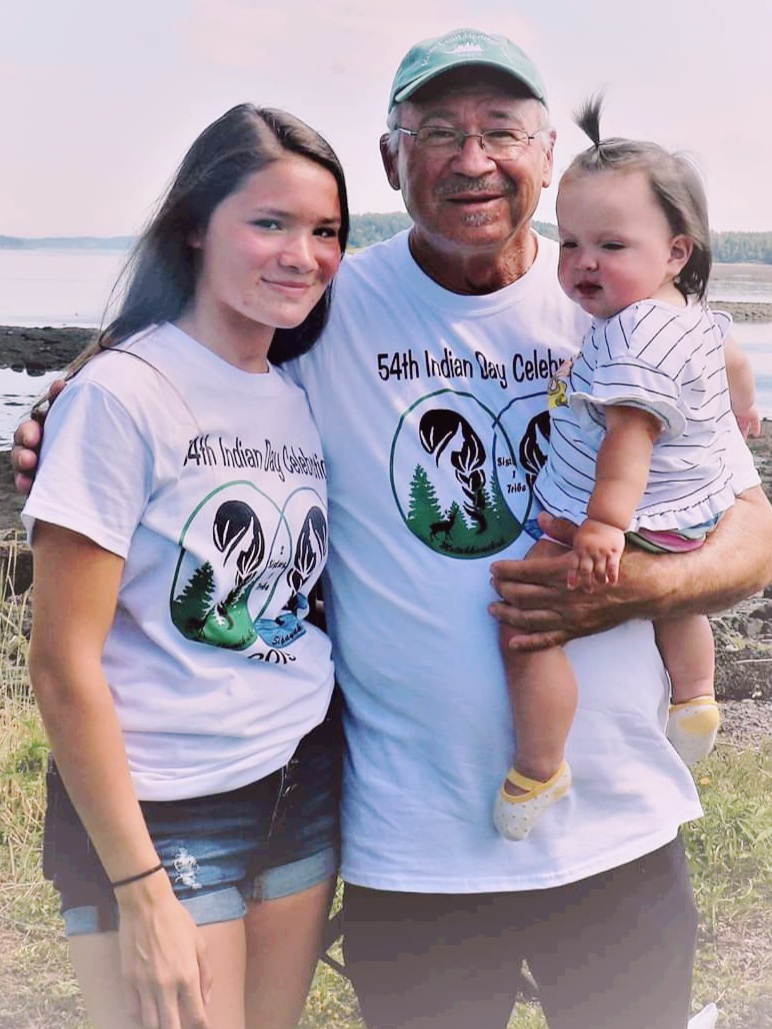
(686, 645)
(543, 695)
(687, 649)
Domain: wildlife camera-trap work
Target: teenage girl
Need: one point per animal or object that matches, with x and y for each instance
(178, 523)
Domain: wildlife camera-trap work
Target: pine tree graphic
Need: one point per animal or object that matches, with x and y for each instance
(189, 610)
(424, 509)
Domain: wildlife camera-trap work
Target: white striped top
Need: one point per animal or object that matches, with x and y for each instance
(665, 360)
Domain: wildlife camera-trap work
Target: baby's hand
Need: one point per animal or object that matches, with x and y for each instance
(597, 552)
(749, 421)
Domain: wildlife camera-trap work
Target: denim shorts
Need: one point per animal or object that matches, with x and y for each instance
(269, 839)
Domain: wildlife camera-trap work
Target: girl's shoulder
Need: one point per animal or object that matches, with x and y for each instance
(116, 367)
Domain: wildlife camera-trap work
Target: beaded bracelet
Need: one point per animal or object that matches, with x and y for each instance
(140, 875)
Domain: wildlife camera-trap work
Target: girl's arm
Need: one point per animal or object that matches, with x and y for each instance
(76, 591)
(621, 474)
(742, 388)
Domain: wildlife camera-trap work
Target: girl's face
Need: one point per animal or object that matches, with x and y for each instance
(270, 249)
(616, 246)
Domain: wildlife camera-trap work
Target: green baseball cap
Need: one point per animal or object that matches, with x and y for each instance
(433, 57)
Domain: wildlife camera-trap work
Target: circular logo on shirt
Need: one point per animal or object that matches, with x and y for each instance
(246, 568)
(461, 485)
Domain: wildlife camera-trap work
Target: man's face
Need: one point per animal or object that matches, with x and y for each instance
(466, 200)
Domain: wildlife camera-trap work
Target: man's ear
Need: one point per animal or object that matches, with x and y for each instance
(389, 158)
(548, 158)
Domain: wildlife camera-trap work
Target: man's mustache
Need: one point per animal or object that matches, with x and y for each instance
(460, 185)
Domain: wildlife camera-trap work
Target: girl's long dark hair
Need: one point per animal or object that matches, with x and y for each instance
(162, 270)
(674, 180)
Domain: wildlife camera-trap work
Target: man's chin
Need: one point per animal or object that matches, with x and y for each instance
(481, 226)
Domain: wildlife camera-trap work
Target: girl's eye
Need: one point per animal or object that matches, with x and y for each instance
(266, 223)
(326, 233)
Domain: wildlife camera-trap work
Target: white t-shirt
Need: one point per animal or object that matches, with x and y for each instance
(669, 362)
(432, 409)
(210, 483)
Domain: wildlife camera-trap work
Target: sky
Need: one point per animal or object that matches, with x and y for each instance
(99, 99)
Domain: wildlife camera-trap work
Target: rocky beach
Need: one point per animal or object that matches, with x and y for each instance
(743, 634)
(41, 350)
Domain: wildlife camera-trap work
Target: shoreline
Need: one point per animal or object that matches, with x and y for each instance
(49, 349)
(744, 312)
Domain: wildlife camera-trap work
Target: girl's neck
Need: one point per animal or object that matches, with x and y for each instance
(237, 340)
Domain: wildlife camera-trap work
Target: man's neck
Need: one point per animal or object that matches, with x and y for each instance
(475, 272)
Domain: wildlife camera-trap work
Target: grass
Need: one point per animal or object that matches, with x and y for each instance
(730, 851)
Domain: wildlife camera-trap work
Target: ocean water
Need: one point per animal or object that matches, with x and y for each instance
(57, 287)
(73, 287)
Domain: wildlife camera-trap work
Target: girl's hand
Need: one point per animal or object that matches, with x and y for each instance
(749, 421)
(597, 551)
(163, 958)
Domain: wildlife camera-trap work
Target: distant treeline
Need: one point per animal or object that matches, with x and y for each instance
(741, 247)
(728, 247)
(374, 228)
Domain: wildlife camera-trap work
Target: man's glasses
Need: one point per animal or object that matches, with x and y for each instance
(495, 142)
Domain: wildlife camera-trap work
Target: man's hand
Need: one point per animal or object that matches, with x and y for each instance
(735, 562)
(24, 454)
(26, 443)
(537, 604)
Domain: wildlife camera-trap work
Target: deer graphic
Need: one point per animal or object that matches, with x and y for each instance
(445, 525)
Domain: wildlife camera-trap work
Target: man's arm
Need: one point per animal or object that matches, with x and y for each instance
(735, 562)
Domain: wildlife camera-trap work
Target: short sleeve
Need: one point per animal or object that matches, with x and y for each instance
(629, 371)
(95, 474)
(739, 461)
(723, 322)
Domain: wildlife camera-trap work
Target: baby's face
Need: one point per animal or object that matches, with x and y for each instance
(616, 246)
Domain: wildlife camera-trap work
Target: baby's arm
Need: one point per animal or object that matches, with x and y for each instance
(621, 474)
(742, 388)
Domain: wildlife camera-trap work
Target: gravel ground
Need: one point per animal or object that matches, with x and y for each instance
(746, 723)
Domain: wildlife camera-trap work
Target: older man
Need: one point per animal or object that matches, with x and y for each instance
(429, 388)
